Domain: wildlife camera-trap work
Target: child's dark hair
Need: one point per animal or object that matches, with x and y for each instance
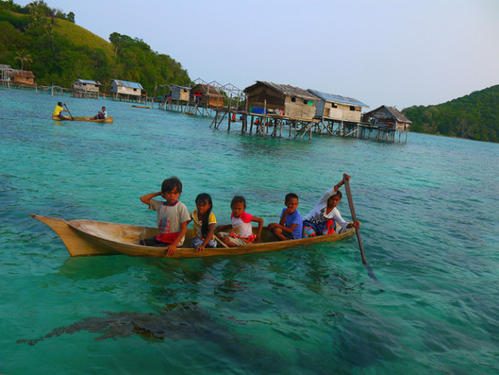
(290, 196)
(238, 199)
(338, 193)
(205, 198)
(170, 183)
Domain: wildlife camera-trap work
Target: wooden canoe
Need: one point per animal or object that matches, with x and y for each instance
(89, 237)
(141, 106)
(108, 120)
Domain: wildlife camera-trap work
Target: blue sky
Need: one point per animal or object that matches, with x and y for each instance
(390, 52)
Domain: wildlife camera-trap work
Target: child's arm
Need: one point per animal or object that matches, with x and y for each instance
(173, 246)
(147, 198)
(211, 231)
(260, 226)
(223, 227)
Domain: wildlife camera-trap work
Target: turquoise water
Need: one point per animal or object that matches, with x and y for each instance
(429, 214)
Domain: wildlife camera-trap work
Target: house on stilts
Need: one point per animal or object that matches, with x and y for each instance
(84, 88)
(207, 96)
(389, 120)
(126, 90)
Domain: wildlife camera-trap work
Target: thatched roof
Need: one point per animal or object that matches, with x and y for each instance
(22, 73)
(286, 90)
(389, 112)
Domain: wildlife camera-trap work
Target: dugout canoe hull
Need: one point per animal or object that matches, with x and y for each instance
(89, 237)
(108, 120)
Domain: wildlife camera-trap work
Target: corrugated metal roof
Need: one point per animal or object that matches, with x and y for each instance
(337, 98)
(133, 85)
(87, 81)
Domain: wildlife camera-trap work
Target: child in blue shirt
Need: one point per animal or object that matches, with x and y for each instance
(290, 227)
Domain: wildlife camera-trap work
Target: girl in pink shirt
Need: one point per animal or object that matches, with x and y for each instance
(242, 231)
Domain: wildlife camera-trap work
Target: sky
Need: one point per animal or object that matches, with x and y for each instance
(393, 52)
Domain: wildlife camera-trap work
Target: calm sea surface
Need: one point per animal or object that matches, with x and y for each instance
(429, 211)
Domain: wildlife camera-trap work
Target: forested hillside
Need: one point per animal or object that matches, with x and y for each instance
(474, 116)
(47, 41)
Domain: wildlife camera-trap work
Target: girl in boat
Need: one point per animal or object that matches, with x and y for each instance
(242, 231)
(324, 217)
(204, 223)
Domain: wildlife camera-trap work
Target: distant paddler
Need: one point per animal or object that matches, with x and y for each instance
(57, 114)
(102, 114)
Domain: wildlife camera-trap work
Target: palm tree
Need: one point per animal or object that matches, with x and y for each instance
(23, 57)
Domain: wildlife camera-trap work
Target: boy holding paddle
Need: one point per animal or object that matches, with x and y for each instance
(324, 217)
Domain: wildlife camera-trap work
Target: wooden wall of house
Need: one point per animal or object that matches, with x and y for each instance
(23, 79)
(180, 93)
(122, 90)
(216, 101)
(88, 87)
(298, 108)
(257, 96)
(340, 112)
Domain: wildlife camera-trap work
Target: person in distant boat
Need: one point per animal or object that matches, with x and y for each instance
(324, 217)
(58, 111)
(172, 216)
(102, 114)
(290, 227)
(204, 223)
(242, 231)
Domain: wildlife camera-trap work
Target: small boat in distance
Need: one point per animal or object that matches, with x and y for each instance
(89, 237)
(108, 120)
(141, 106)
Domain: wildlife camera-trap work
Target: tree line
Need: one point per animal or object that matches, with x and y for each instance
(474, 116)
(29, 39)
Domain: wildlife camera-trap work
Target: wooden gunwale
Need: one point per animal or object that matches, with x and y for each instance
(108, 120)
(81, 239)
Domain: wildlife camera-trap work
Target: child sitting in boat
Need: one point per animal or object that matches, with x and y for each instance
(102, 114)
(290, 227)
(325, 216)
(242, 231)
(172, 216)
(204, 223)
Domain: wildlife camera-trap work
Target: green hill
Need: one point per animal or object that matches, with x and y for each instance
(80, 36)
(474, 116)
(47, 41)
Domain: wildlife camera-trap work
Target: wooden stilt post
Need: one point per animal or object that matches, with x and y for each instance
(264, 122)
(228, 109)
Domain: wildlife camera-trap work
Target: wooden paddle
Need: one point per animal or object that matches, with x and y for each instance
(357, 232)
(220, 241)
(70, 115)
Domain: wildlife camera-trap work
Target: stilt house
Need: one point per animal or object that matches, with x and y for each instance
(286, 100)
(126, 89)
(337, 107)
(83, 88)
(180, 93)
(18, 77)
(207, 96)
(389, 117)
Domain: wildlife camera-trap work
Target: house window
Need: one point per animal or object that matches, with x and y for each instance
(134, 89)
(333, 105)
(293, 99)
(352, 108)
